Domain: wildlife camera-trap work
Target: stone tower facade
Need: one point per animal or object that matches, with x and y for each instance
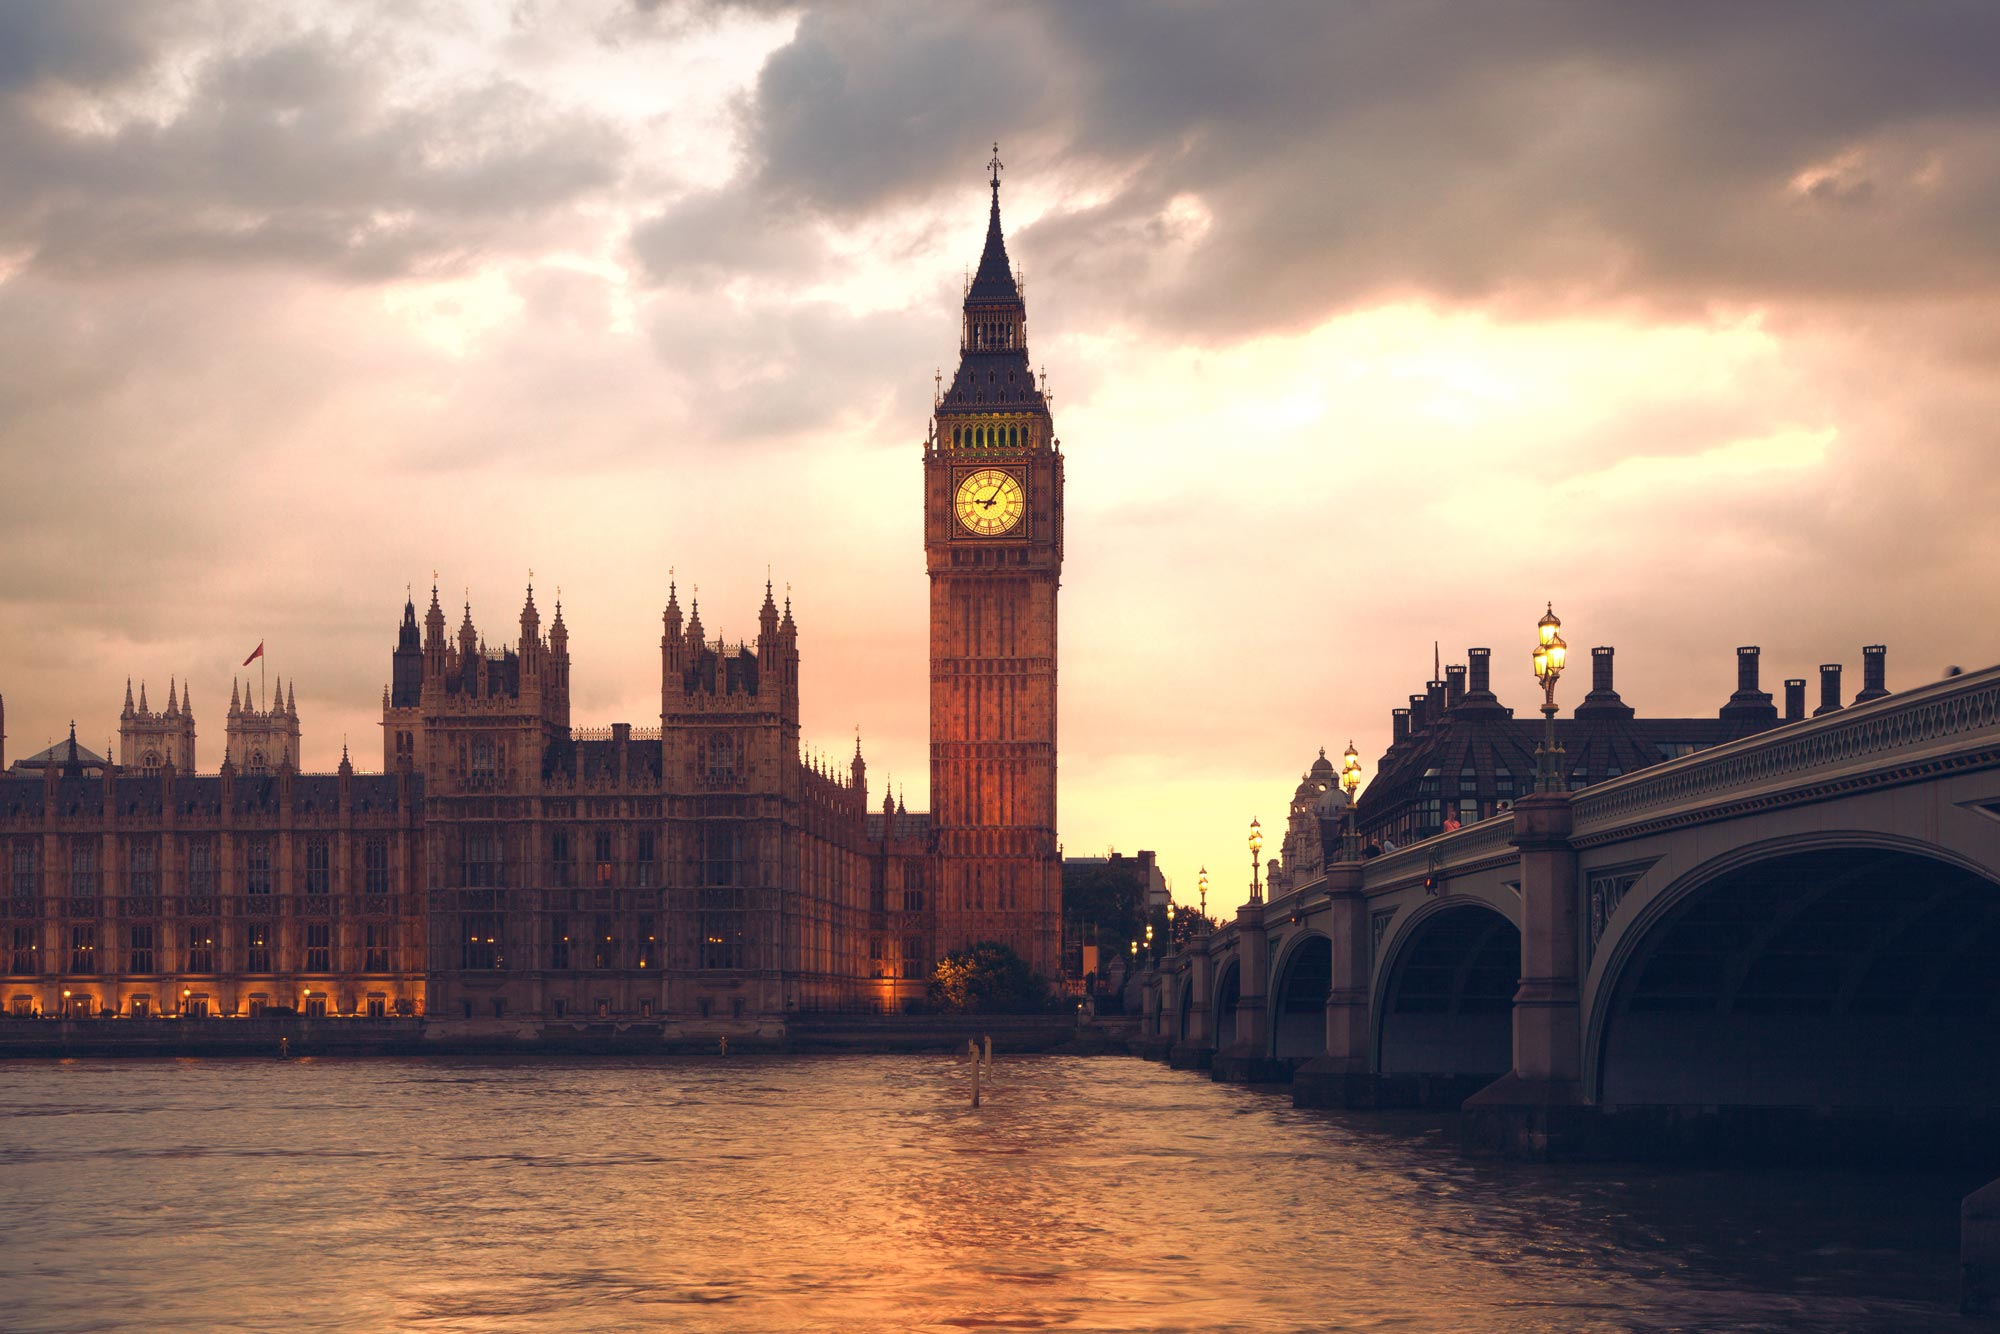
(149, 741)
(469, 718)
(993, 541)
(262, 740)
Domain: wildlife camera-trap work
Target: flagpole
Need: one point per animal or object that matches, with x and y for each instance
(260, 675)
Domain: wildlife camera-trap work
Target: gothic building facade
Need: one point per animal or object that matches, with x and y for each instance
(511, 871)
(262, 739)
(215, 895)
(149, 741)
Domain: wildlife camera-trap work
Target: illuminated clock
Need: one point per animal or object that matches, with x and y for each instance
(990, 502)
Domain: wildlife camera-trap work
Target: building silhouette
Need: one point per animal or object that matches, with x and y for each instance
(509, 867)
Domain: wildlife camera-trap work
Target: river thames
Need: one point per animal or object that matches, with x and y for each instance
(862, 1193)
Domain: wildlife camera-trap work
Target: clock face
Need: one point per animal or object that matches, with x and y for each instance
(990, 502)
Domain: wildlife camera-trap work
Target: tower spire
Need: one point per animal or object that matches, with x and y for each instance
(993, 280)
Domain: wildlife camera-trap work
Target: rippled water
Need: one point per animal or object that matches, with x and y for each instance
(847, 1193)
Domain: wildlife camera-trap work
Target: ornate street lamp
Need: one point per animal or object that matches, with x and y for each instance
(1149, 940)
(1256, 856)
(1201, 882)
(1350, 783)
(1550, 652)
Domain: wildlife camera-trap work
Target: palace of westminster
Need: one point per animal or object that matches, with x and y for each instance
(509, 869)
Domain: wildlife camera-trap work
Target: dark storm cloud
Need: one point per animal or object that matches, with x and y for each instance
(300, 153)
(82, 42)
(1590, 154)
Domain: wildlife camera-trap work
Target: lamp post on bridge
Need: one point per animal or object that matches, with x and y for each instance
(1550, 652)
(1350, 783)
(1256, 856)
(1201, 882)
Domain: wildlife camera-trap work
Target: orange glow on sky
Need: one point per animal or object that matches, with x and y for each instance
(298, 308)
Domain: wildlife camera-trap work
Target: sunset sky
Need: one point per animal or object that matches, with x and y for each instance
(1368, 325)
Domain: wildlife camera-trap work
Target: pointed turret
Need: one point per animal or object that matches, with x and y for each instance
(694, 622)
(173, 698)
(531, 624)
(143, 706)
(292, 700)
(235, 704)
(468, 638)
(187, 706)
(767, 615)
(128, 699)
(406, 670)
(434, 622)
(558, 632)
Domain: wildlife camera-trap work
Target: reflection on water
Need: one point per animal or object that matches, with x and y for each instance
(847, 1193)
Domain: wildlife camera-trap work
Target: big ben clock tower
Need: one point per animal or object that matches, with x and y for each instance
(993, 506)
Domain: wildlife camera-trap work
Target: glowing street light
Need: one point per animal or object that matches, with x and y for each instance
(1550, 653)
(1256, 855)
(1350, 783)
(1202, 882)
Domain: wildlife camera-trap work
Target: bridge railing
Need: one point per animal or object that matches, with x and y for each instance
(1881, 734)
(1441, 854)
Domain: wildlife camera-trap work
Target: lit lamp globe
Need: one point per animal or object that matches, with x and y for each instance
(1256, 848)
(1550, 654)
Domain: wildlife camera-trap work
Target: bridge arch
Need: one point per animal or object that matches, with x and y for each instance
(1299, 986)
(1840, 969)
(1228, 991)
(1444, 996)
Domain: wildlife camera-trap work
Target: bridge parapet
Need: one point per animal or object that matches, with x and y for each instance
(1899, 738)
(1444, 854)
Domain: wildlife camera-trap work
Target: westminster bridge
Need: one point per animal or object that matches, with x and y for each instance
(1797, 928)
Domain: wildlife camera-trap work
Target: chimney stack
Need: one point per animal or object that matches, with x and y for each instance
(1750, 709)
(1829, 688)
(1795, 698)
(1603, 701)
(1419, 713)
(1399, 726)
(1454, 686)
(1874, 673)
(1479, 671)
